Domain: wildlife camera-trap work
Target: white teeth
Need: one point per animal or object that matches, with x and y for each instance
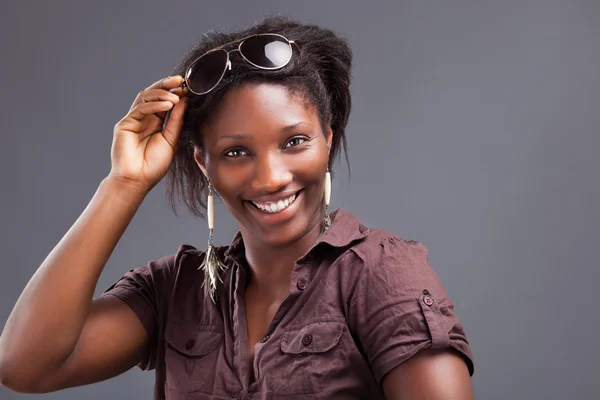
(272, 207)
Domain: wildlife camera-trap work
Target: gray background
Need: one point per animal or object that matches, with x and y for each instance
(474, 130)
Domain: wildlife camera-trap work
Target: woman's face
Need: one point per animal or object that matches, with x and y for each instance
(266, 155)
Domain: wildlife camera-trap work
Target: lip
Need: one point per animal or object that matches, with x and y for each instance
(275, 199)
(264, 218)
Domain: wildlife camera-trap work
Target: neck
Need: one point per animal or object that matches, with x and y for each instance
(271, 267)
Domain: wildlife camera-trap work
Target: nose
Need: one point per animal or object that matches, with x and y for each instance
(271, 174)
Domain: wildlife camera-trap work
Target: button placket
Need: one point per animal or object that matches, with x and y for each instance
(301, 284)
(265, 338)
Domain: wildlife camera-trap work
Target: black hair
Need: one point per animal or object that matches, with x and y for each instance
(319, 71)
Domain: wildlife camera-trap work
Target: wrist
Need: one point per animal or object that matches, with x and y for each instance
(126, 189)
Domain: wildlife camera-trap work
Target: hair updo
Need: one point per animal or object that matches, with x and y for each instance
(319, 71)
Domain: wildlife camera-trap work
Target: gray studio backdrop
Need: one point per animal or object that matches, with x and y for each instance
(474, 131)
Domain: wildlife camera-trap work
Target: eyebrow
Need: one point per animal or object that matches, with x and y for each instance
(236, 136)
(241, 136)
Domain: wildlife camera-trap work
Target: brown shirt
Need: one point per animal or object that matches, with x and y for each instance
(361, 302)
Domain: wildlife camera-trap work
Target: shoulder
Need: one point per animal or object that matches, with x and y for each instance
(380, 245)
(190, 270)
(156, 277)
(163, 271)
(370, 249)
(185, 255)
(369, 244)
(383, 259)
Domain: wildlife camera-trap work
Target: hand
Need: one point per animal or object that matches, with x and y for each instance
(141, 153)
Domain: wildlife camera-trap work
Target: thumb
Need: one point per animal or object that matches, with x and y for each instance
(172, 128)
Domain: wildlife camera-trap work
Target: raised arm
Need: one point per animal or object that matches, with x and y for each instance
(57, 336)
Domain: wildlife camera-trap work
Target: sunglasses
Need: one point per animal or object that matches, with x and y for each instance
(268, 51)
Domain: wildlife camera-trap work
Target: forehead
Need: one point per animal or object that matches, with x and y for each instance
(260, 107)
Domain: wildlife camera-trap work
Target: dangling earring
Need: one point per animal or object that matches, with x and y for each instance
(211, 265)
(327, 197)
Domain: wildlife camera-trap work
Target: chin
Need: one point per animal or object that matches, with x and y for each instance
(285, 235)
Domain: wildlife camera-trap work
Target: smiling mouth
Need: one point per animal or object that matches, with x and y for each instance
(274, 207)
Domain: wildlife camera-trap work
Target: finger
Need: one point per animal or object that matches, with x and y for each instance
(174, 124)
(140, 111)
(160, 95)
(167, 83)
(179, 91)
(146, 96)
(162, 115)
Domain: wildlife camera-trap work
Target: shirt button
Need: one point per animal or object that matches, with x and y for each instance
(306, 339)
(301, 284)
(190, 343)
(264, 339)
(428, 300)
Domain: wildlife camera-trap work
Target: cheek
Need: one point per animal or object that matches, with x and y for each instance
(229, 179)
(310, 166)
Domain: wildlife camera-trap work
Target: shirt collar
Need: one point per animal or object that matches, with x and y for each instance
(344, 230)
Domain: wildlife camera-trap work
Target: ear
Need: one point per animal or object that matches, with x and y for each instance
(200, 161)
(329, 139)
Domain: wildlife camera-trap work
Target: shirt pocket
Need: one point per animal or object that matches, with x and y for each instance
(191, 356)
(310, 354)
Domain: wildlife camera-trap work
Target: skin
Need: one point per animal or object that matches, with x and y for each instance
(278, 149)
(264, 145)
(429, 375)
(73, 338)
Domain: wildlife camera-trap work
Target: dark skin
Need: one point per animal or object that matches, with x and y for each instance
(283, 151)
(259, 165)
(94, 339)
(265, 144)
(76, 339)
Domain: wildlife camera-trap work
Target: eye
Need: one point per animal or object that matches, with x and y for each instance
(295, 142)
(235, 153)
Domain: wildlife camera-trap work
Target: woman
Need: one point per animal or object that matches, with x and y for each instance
(301, 304)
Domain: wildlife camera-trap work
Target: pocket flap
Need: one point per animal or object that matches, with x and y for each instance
(316, 337)
(187, 338)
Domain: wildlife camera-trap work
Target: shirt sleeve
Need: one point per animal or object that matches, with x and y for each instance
(145, 290)
(399, 307)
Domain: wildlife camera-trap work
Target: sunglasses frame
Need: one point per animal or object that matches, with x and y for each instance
(227, 65)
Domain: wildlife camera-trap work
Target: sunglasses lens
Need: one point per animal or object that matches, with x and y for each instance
(267, 51)
(206, 72)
